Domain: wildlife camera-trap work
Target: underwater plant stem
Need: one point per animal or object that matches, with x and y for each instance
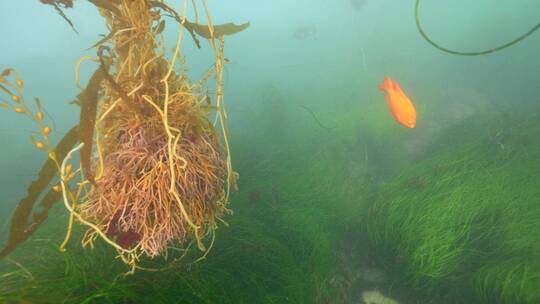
(210, 25)
(172, 140)
(195, 12)
(492, 50)
(178, 45)
(77, 68)
(315, 117)
(65, 190)
(114, 84)
(229, 161)
(69, 229)
(99, 149)
(221, 114)
(74, 199)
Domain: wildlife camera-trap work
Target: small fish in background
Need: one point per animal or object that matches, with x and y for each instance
(305, 32)
(358, 4)
(401, 106)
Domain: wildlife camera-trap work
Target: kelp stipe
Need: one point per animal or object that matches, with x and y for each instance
(461, 53)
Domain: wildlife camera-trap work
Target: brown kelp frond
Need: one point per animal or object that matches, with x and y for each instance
(176, 16)
(105, 74)
(201, 29)
(163, 170)
(23, 225)
(219, 30)
(62, 3)
(19, 105)
(88, 100)
(109, 5)
(58, 5)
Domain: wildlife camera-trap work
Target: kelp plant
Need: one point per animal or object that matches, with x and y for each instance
(472, 53)
(155, 166)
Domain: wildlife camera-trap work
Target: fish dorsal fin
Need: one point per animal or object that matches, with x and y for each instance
(395, 86)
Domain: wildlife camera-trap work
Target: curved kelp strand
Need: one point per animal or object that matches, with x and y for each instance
(21, 229)
(201, 29)
(58, 4)
(88, 100)
(484, 52)
(315, 118)
(176, 16)
(105, 72)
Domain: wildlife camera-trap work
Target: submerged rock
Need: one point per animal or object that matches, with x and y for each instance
(376, 297)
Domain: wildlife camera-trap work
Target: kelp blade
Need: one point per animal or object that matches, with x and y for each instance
(20, 228)
(88, 100)
(219, 30)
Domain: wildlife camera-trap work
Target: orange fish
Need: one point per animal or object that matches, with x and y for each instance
(401, 106)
